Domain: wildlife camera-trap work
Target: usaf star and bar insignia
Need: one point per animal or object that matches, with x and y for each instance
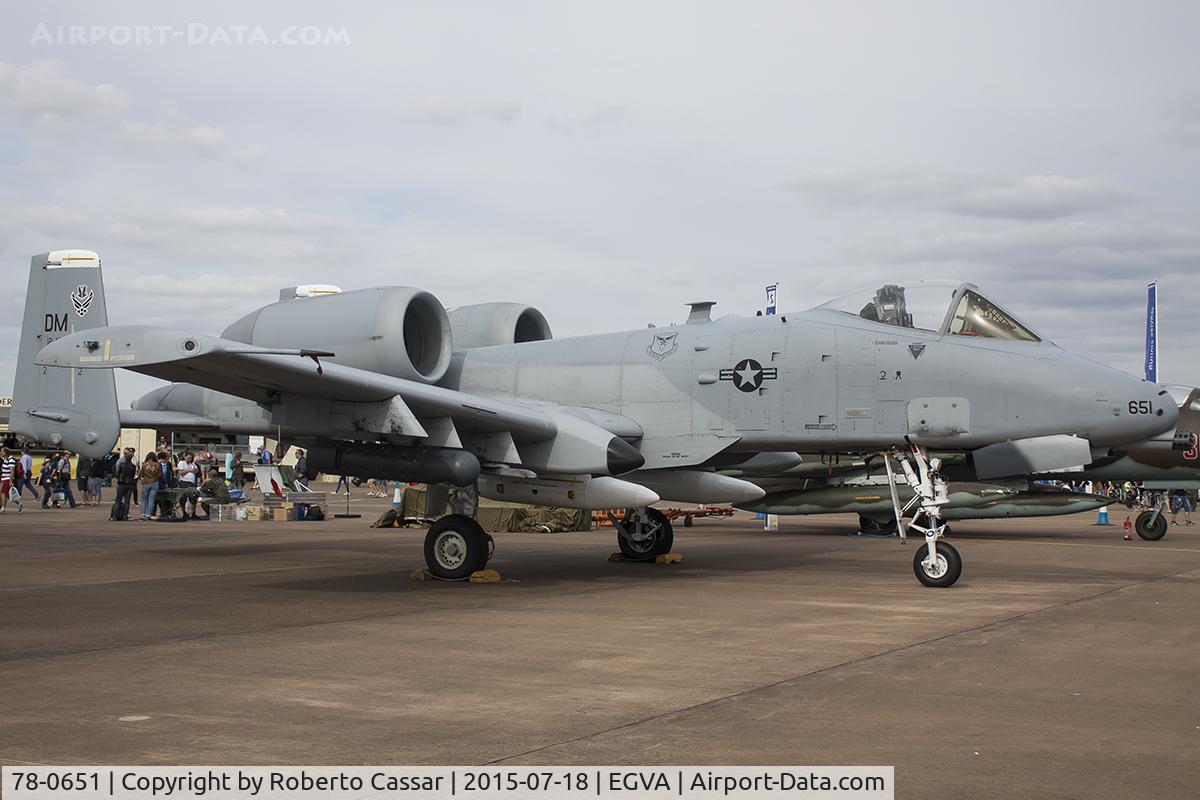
(748, 375)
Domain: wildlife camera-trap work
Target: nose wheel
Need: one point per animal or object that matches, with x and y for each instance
(940, 571)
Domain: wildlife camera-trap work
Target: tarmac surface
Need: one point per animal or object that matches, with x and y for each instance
(1065, 663)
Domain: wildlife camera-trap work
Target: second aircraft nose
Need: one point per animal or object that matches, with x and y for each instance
(1135, 410)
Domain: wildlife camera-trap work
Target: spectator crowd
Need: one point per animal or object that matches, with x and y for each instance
(158, 485)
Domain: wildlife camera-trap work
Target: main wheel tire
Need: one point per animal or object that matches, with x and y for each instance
(1148, 531)
(877, 527)
(455, 546)
(658, 542)
(944, 572)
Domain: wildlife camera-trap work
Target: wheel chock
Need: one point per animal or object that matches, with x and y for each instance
(421, 575)
(669, 558)
(617, 557)
(485, 576)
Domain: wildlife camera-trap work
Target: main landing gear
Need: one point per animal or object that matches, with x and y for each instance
(456, 545)
(937, 563)
(644, 534)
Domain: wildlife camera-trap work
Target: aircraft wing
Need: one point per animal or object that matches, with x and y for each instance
(267, 375)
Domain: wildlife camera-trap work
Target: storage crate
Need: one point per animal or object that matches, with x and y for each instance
(221, 513)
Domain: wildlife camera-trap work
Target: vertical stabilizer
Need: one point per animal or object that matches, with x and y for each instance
(74, 409)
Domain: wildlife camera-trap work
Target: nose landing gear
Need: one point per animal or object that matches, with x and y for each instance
(938, 563)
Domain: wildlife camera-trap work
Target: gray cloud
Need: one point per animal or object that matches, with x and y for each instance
(229, 235)
(450, 112)
(41, 94)
(1182, 116)
(44, 219)
(256, 220)
(1029, 197)
(177, 132)
(1100, 249)
(601, 119)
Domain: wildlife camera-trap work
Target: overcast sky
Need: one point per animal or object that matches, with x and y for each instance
(609, 161)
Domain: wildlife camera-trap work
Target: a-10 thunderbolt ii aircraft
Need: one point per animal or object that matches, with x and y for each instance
(372, 381)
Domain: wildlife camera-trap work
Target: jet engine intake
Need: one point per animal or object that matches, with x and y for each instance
(489, 324)
(395, 330)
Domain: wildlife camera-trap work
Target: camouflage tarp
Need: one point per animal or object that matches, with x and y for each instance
(498, 517)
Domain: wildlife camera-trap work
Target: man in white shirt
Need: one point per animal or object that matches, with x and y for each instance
(8, 468)
(189, 478)
(188, 469)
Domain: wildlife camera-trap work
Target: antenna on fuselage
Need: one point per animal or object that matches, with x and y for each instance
(701, 311)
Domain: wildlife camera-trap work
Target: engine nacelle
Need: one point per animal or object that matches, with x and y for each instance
(488, 324)
(394, 330)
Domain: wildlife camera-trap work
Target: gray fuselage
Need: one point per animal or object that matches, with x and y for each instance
(818, 380)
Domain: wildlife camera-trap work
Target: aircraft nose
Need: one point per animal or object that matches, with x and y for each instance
(1135, 409)
(1163, 411)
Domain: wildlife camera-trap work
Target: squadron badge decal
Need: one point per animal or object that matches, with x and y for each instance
(748, 375)
(663, 345)
(81, 299)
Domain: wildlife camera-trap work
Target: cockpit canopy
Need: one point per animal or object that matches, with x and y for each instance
(957, 309)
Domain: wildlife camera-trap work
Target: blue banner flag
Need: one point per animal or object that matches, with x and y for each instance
(771, 298)
(1152, 332)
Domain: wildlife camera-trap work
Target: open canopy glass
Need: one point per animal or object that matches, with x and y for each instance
(955, 308)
